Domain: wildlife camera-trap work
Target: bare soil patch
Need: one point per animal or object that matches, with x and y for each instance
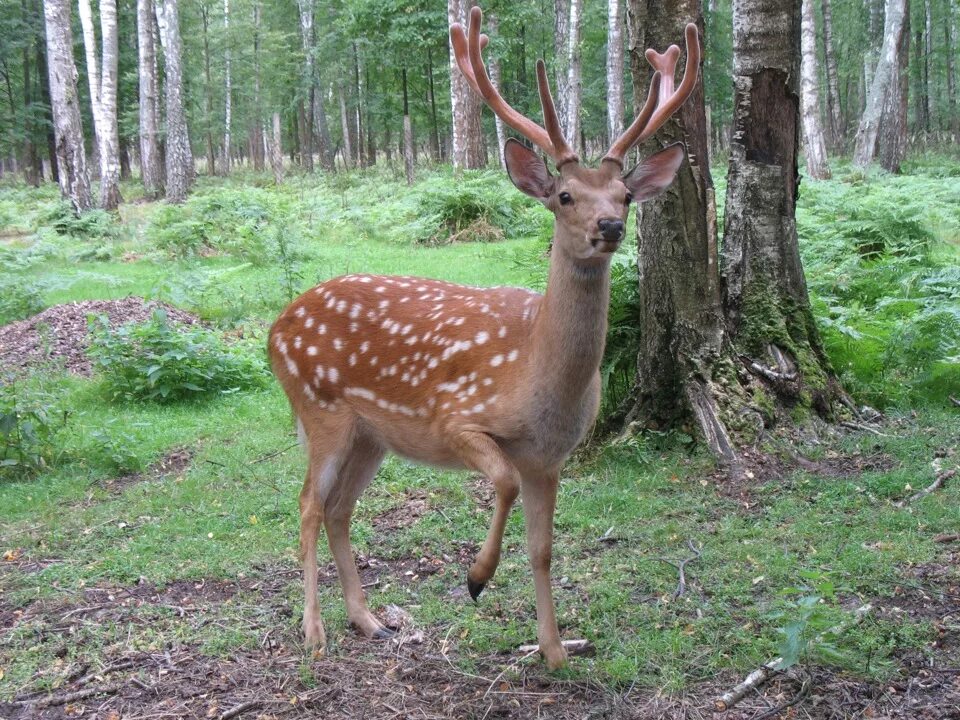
(413, 507)
(172, 464)
(59, 333)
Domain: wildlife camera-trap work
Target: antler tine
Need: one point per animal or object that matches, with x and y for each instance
(467, 51)
(550, 120)
(668, 98)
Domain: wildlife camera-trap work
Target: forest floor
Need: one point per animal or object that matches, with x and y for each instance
(150, 570)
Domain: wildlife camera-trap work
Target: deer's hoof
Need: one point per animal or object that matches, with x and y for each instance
(474, 588)
(383, 634)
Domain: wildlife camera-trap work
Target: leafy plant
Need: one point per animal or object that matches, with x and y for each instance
(92, 224)
(159, 361)
(19, 299)
(808, 620)
(28, 424)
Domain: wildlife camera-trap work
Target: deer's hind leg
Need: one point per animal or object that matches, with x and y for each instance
(359, 467)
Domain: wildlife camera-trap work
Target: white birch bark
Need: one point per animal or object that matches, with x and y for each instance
(345, 128)
(307, 85)
(179, 158)
(276, 151)
(574, 88)
(496, 78)
(65, 107)
(817, 166)
(866, 143)
(615, 70)
(561, 43)
(833, 85)
(150, 170)
(227, 92)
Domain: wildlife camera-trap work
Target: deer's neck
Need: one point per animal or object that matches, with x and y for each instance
(571, 327)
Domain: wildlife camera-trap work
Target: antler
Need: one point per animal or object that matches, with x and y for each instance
(662, 99)
(466, 50)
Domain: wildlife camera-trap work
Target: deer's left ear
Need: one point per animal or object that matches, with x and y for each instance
(654, 175)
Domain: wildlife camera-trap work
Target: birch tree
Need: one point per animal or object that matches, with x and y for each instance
(227, 93)
(835, 112)
(103, 95)
(469, 149)
(179, 156)
(817, 166)
(574, 87)
(614, 69)
(150, 161)
(883, 79)
(68, 131)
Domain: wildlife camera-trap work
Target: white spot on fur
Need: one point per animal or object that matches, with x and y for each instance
(481, 337)
(513, 355)
(496, 360)
(311, 350)
(333, 375)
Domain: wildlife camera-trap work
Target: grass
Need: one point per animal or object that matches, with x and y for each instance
(231, 513)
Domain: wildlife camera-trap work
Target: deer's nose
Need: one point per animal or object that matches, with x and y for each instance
(611, 229)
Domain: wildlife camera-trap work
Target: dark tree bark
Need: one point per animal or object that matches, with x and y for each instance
(765, 294)
(682, 348)
(434, 125)
(64, 101)
(892, 139)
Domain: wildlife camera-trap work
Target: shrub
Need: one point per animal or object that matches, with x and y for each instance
(93, 224)
(19, 299)
(28, 423)
(158, 361)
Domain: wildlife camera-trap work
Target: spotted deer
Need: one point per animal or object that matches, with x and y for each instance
(502, 381)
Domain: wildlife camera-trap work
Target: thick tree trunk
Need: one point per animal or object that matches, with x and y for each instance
(682, 347)
(817, 165)
(883, 79)
(324, 144)
(44, 77)
(64, 102)
(892, 139)
(179, 155)
(835, 112)
(469, 149)
(227, 93)
(561, 44)
(765, 293)
(615, 69)
(150, 171)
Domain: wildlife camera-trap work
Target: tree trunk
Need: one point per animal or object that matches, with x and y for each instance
(765, 294)
(227, 92)
(44, 77)
(574, 88)
(31, 160)
(615, 69)
(883, 79)
(179, 155)
(345, 129)
(207, 88)
(561, 45)
(407, 132)
(324, 144)
(682, 346)
(257, 138)
(949, 35)
(892, 139)
(837, 126)
(469, 149)
(276, 151)
(357, 125)
(927, 52)
(921, 118)
(817, 166)
(371, 143)
(64, 102)
(434, 124)
(150, 172)
(307, 86)
(496, 79)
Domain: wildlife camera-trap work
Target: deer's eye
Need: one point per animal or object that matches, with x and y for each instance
(565, 198)
(629, 198)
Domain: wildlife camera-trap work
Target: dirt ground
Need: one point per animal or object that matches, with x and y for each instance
(419, 673)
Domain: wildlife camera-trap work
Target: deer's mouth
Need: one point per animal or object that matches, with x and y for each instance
(602, 245)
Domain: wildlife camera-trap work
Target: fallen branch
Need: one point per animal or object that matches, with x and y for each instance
(861, 426)
(762, 674)
(797, 699)
(682, 584)
(946, 538)
(73, 696)
(241, 708)
(573, 647)
(954, 401)
(941, 478)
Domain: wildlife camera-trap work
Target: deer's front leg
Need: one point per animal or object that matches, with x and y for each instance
(479, 452)
(539, 501)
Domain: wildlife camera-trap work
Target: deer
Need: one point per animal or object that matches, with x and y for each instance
(500, 381)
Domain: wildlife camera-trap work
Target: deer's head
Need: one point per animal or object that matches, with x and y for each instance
(590, 205)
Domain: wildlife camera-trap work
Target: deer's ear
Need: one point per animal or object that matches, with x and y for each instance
(528, 171)
(654, 175)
